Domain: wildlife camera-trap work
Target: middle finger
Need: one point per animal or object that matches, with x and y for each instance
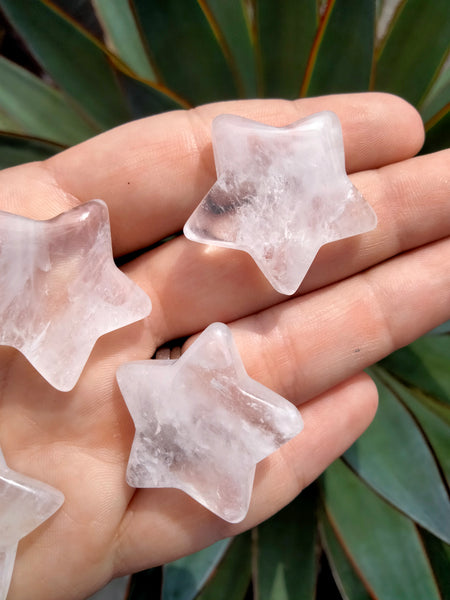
(192, 285)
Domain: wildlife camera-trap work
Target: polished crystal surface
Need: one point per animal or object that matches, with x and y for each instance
(25, 503)
(202, 423)
(281, 194)
(61, 291)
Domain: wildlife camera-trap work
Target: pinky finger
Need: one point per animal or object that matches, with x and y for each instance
(333, 421)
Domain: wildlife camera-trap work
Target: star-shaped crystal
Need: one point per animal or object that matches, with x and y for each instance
(281, 194)
(61, 291)
(202, 423)
(25, 503)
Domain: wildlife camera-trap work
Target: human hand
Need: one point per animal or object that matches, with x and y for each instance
(362, 298)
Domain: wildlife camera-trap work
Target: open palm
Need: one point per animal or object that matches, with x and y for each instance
(362, 298)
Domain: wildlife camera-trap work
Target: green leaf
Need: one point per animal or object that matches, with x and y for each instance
(16, 149)
(41, 110)
(341, 59)
(414, 49)
(123, 36)
(425, 365)
(438, 97)
(147, 99)
(228, 19)
(75, 61)
(439, 555)
(184, 578)
(7, 123)
(285, 32)
(444, 328)
(82, 12)
(393, 457)
(232, 576)
(379, 7)
(185, 53)
(438, 132)
(286, 564)
(381, 542)
(433, 417)
(345, 576)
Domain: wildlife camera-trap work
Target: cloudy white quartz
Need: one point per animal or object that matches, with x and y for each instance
(61, 290)
(281, 194)
(202, 424)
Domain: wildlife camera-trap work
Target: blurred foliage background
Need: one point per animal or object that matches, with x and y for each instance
(377, 524)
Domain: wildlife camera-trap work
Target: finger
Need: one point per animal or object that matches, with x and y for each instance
(192, 285)
(307, 345)
(171, 167)
(332, 423)
(152, 173)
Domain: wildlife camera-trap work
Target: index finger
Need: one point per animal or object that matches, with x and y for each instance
(153, 172)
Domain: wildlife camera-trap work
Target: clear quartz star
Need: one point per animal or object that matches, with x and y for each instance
(61, 290)
(202, 423)
(281, 194)
(25, 503)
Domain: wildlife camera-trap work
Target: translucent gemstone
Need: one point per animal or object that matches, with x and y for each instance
(61, 290)
(281, 194)
(202, 423)
(25, 503)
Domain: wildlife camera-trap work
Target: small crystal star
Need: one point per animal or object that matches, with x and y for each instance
(281, 194)
(202, 423)
(25, 503)
(61, 290)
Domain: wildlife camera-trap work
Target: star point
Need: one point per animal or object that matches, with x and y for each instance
(61, 290)
(281, 193)
(202, 424)
(25, 504)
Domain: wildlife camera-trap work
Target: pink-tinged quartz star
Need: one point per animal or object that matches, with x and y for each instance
(281, 194)
(202, 424)
(25, 503)
(61, 291)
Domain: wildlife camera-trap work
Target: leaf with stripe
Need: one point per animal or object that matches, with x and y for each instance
(341, 56)
(16, 149)
(414, 49)
(382, 543)
(285, 32)
(40, 110)
(186, 54)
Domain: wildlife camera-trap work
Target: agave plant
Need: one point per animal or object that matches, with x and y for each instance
(378, 522)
